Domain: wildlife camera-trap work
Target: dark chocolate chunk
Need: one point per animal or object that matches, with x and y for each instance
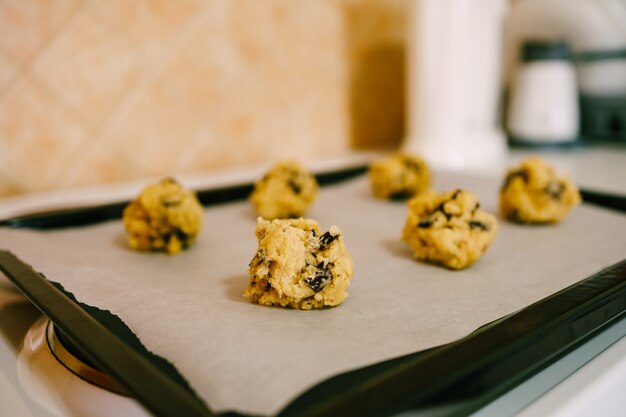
(555, 189)
(322, 278)
(515, 174)
(476, 207)
(257, 260)
(181, 235)
(514, 216)
(425, 224)
(475, 224)
(326, 239)
(295, 186)
(183, 238)
(401, 195)
(441, 208)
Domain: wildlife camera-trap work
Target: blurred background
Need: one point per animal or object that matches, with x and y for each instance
(101, 91)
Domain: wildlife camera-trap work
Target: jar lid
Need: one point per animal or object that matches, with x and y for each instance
(545, 50)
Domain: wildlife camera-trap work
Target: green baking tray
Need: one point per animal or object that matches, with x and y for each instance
(471, 371)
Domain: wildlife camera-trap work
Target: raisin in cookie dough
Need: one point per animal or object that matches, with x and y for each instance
(399, 176)
(533, 193)
(297, 266)
(286, 191)
(164, 217)
(449, 229)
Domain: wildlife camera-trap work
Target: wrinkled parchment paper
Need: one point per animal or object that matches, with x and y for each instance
(249, 358)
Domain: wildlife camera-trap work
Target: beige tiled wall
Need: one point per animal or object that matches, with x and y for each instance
(104, 90)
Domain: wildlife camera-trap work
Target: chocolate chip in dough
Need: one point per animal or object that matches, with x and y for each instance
(475, 224)
(322, 278)
(326, 239)
(425, 224)
(295, 186)
(515, 174)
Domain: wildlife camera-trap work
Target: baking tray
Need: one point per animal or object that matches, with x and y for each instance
(469, 372)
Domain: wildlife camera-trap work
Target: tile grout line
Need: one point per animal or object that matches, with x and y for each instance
(91, 139)
(163, 59)
(25, 69)
(60, 97)
(9, 56)
(27, 65)
(153, 66)
(174, 164)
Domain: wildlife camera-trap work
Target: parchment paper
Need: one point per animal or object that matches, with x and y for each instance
(249, 358)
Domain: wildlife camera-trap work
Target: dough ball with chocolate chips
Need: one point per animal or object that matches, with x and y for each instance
(286, 191)
(449, 229)
(164, 217)
(533, 193)
(297, 266)
(399, 176)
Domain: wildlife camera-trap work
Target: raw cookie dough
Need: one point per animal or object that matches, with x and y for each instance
(286, 191)
(164, 217)
(399, 176)
(449, 229)
(533, 193)
(297, 266)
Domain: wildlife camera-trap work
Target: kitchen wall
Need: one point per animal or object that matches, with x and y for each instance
(97, 91)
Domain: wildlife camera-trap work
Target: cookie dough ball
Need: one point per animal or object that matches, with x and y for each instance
(297, 266)
(164, 217)
(449, 229)
(533, 193)
(399, 176)
(286, 191)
